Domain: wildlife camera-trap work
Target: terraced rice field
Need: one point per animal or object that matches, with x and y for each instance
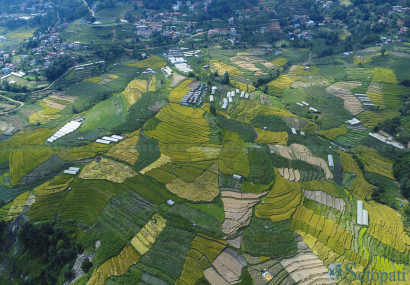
(80, 152)
(95, 80)
(204, 188)
(360, 186)
(242, 86)
(384, 75)
(332, 134)
(271, 137)
(279, 61)
(392, 94)
(126, 150)
(107, 169)
(154, 62)
(301, 152)
(375, 93)
(233, 159)
(323, 186)
(180, 91)
(281, 83)
(289, 174)
(326, 199)
(343, 91)
(45, 115)
(386, 226)
(146, 237)
(370, 119)
(353, 138)
(248, 63)
(238, 210)
(180, 125)
(281, 201)
(222, 68)
(227, 268)
(204, 250)
(374, 162)
(17, 207)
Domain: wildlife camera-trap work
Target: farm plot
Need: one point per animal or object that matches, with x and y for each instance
(332, 134)
(384, 75)
(279, 274)
(309, 81)
(106, 115)
(221, 68)
(134, 90)
(47, 114)
(238, 210)
(374, 162)
(271, 137)
(107, 169)
(327, 187)
(154, 62)
(289, 174)
(204, 188)
(233, 159)
(279, 61)
(359, 186)
(279, 84)
(115, 266)
(281, 201)
(353, 138)
(204, 250)
(392, 94)
(242, 86)
(51, 102)
(168, 253)
(180, 91)
(327, 231)
(180, 125)
(386, 225)
(126, 150)
(307, 267)
(325, 199)
(248, 63)
(147, 236)
(176, 79)
(227, 268)
(46, 206)
(80, 152)
(375, 94)
(86, 199)
(301, 152)
(266, 238)
(343, 91)
(163, 159)
(94, 80)
(371, 118)
(17, 207)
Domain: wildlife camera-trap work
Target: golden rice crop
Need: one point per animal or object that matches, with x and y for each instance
(334, 133)
(222, 68)
(271, 137)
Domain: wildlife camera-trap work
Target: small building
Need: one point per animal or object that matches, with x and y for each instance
(330, 159)
(237, 176)
(294, 131)
(353, 121)
(359, 212)
(170, 202)
(267, 276)
(211, 98)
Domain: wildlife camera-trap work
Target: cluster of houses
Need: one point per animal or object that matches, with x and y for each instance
(303, 104)
(230, 95)
(193, 97)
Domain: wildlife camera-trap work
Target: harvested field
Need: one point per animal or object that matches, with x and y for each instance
(290, 174)
(107, 169)
(69, 99)
(307, 268)
(193, 84)
(228, 266)
(301, 152)
(325, 199)
(271, 137)
(308, 81)
(343, 91)
(176, 79)
(204, 188)
(247, 62)
(126, 150)
(238, 210)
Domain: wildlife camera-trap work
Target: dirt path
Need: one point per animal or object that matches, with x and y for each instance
(89, 9)
(21, 105)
